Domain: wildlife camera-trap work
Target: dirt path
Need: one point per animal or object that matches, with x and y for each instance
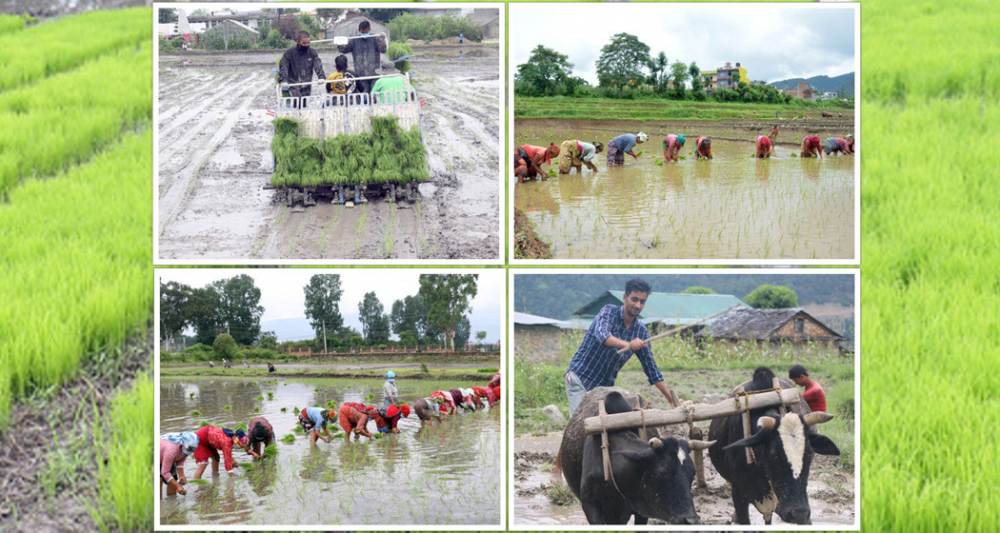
(215, 158)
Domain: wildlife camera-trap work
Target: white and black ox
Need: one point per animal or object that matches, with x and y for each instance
(783, 448)
(652, 478)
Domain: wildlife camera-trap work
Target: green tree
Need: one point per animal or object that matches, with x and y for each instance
(268, 340)
(239, 308)
(545, 69)
(374, 321)
(323, 305)
(772, 297)
(384, 15)
(310, 24)
(225, 346)
(175, 303)
(678, 75)
(448, 298)
(327, 15)
(462, 333)
(203, 314)
(697, 85)
(480, 337)
(405, 315)
(622, 61)
(167, 16)
(658, 69)
(697, 289)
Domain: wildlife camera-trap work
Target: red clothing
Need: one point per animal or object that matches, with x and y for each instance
(706, 151)
(255, 445)
(763, 145)
(449, 402)
(211, 440)
(812, 142)
(815, 397)
(496, 393)
(352, 418)
(495, 382)
(534, 150)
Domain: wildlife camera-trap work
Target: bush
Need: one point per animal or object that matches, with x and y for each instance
(409, 26)
(225, 346)
(274, 40)
(260, 353)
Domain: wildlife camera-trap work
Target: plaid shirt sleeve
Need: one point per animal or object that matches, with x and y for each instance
(645, 357)
(602, 323)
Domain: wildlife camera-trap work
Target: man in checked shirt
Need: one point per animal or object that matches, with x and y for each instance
(596, 363)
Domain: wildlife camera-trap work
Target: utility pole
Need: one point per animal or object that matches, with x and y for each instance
(324, 337)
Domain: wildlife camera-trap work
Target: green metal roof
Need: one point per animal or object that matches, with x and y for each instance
(666, 307)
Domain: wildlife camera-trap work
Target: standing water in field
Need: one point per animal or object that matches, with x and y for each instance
(732, 207)
(444, 474)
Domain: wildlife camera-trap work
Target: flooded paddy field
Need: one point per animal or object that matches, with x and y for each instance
(215, 159)
(732, 207)
(444, 474)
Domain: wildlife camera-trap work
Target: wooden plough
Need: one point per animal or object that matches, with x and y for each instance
(688, 413)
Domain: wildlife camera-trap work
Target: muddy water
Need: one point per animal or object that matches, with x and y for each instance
(446, 474)
(733, 207)
(215, 159)
(830, 491)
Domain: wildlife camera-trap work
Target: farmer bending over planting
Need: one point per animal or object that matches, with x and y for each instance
(174, 450)
(366, 55)
(575, 154)
(390, 416)
(834, 145)
(703, 147)
(623, 144)
(810, 148)
(428, 409)
(528, 160)
(763, 147)
(314, 418)
(448, 403)
(672, 145)
(354, 417)
(261, 436)
(298, 64)
(212, 440)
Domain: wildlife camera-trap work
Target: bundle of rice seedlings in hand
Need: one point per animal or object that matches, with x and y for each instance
(397, 50)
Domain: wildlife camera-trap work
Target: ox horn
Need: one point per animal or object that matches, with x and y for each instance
(655, 443)
(701, 444)
(766, 422)
(817, 417)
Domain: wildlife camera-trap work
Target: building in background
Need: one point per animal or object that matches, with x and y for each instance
(778, 330)
(537, 338)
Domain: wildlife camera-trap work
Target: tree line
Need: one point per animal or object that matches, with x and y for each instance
(230, 308)
(625, 69)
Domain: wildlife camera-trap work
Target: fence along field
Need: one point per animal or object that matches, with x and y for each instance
(75, 248)
(929, 295)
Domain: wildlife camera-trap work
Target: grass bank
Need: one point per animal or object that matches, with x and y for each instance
(483, 374)
(659, 109)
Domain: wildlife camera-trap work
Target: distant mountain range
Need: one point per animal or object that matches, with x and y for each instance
(844, 82)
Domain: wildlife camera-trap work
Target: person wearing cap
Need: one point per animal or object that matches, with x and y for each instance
(389, 390)
(528, 160)
(811, 148)
(763, 147)
(315, 418)
(672, 145)
(623, 144)
(211, 441)
(261, 435)
(428, 409)
(174, 451)
(703, 148)
(354, 418)
(834, 145)
(813, 393)
(575, 154)
(390, 417)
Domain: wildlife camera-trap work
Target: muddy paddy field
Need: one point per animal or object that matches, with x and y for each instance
(540, 499)
(444, 474)
(215, 159)
(732, 207)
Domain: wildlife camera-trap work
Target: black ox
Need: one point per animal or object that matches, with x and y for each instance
(783, 448)
(652, 478)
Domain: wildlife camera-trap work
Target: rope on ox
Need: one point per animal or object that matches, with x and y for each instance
(605, 452)
(745, 408)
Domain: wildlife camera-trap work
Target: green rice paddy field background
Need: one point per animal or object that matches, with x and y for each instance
(76, 278)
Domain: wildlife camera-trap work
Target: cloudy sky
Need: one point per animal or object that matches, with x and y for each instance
(284, 300)
(772, 41)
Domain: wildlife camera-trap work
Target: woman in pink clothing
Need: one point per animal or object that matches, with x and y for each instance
(174, 450)
(672, 145)
(763, 147)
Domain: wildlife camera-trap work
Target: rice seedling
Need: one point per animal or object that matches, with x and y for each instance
(289, 438)
(203, 424)
(191, 395)
(199, 481)
(272, 451)
(119, 28)
(13, 23)
(397, 50)
(260, 397)
(256, 409)
(227, 407)
(284, 409)
(270, 395)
